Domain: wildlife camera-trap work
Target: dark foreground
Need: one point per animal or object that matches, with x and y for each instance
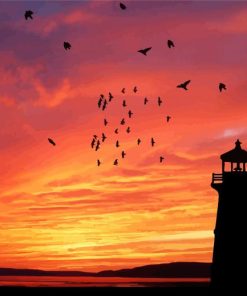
(85, 282)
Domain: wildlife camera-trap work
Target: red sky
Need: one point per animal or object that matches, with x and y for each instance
(61, 211)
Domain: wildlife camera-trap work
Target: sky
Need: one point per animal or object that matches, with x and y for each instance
(60, 211)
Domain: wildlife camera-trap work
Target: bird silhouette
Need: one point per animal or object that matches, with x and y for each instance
(124, 103)
(115, 162)
(95, 136)
(105, 122)
(122, 122)
(93, 142)
(29, 14)
(99, 102)
(138, 141)
(98, 162)
(103, 137)
(110, 97)
(66, 45)
(116, 131)
(222, 86)
(128, 130)
(104, 105)
(152, 142)
(145, 101)
(130, 113)
(170, 43)
(123, 154)
(144, 51)
(184, 85)
(123, 90)
(159, 101)
(51, 141)
(97, 146)
(122, 6)
(117, 144)
(135, 89)
(168, 118)
(102, 96)
(161, 159)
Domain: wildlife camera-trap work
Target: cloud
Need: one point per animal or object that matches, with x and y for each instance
(73, 180)
(234, 23)
(56, 97)
(8, 102)
(232, 132)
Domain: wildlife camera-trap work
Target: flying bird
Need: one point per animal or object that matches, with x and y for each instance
(168, 118)
(122, 6)
(115, 162)
(52, 142)
(123, 90)
(161, 159)
(97, 145)
(99, 102)
(159, 101)
(123, 154)
(117, 144)
(128, 130)
(116, 131)
(103, 137)
(98, 162)
(104, 105)
(130, 113)
(110, 97)
(152, 142)
(29, 14)
(170, 43)
(66, 45)
(93, 142)
(184, 85)
(105, 122)
(145, 101)
(144, 51)
(135, 89)
(122, 122)
(222, 86)
(124, 103)
(138, 141)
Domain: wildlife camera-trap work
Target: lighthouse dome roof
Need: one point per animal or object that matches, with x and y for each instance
(235, 155)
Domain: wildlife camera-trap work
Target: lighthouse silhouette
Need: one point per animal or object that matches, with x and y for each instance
(230, 243)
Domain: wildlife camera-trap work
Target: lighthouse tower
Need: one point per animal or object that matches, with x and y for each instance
(230, 244)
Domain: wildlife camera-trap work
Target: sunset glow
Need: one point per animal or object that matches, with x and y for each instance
(60, 211)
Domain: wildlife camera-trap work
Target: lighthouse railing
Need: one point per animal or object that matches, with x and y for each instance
(217, 178)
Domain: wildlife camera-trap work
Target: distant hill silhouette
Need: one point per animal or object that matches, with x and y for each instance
(166, 270)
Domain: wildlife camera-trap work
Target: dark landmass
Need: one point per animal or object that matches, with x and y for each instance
(37, 272)
(178, 269)
(166, 270)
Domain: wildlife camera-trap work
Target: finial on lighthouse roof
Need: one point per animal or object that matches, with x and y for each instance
(238, 144)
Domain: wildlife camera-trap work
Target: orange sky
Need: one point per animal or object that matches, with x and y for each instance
(61, 211)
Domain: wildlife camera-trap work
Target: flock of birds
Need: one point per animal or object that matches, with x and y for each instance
(103, 102)
(98, 140)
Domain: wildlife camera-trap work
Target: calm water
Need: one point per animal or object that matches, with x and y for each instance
(52, 281)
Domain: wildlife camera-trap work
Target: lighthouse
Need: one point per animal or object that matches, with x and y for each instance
(230, 243)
